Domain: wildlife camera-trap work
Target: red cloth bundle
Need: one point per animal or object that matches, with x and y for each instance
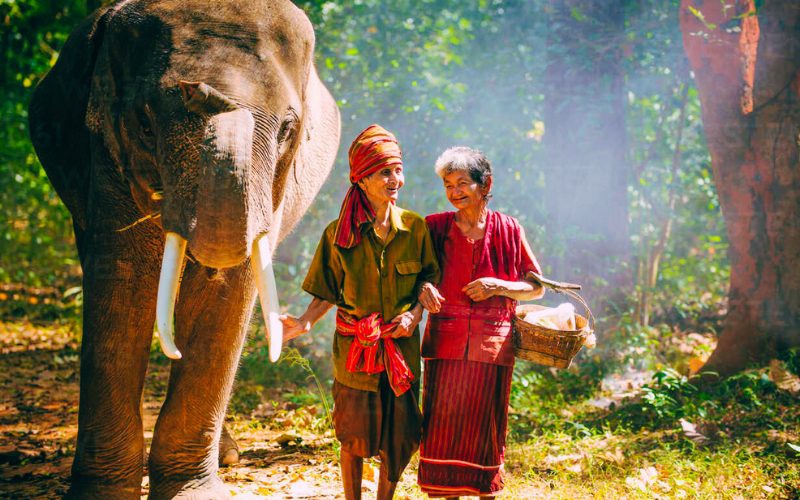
(373, 350)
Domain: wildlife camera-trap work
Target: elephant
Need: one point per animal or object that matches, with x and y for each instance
(186, 138)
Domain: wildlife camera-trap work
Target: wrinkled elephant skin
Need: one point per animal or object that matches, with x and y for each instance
(204, 125)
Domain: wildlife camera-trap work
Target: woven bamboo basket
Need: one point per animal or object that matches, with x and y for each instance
(547, 346)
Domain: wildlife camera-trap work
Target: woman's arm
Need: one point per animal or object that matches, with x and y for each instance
(430, 298)
(294, 327)
(484, 288)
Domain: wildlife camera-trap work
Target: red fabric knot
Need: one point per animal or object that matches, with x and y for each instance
(373, 149)
(373, 350)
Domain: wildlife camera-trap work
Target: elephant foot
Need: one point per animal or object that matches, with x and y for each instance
(228, 457)
(209, 489)
(85, 490)
(228, 449)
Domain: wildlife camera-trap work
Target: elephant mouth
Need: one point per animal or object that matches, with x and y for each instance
(169, 284)
(218, 256)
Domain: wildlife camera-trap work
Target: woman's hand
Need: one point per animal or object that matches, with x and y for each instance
(406, 322)
(293, 327)
(430, 298)
(484, 288)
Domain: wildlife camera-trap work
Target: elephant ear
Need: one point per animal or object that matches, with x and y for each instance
(321, 128)
(316, 151)
(102, 117)
(58, 111)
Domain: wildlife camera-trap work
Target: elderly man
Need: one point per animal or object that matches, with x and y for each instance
(371, 263)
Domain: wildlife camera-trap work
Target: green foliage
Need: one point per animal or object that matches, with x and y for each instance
(36, 246)
(294, 358)
(792, 359)
(667, 398)
(540, 396)
(257, 368)
(744, 403)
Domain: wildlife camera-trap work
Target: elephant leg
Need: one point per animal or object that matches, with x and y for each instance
(212, 314)
(119, 289)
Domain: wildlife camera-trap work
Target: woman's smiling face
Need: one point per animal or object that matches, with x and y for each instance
(384, 185)
(463, 191)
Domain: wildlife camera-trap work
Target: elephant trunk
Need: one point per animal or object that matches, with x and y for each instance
(230, 214)
(220, 236)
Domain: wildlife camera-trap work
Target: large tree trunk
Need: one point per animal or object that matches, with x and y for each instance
(586, 170)
(746, 69)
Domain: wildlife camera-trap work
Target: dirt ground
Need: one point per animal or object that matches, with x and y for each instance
(39, 368)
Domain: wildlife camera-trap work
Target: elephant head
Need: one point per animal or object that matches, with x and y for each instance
(206, 113)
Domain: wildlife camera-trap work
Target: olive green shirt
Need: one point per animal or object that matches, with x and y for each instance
(374, 276)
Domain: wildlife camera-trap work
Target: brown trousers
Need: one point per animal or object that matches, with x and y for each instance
(378, 423)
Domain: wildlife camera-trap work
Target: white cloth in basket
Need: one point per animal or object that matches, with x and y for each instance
(555, 318)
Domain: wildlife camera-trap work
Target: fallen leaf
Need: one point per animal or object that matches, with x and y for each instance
(284, 440)
(549, 459)
(643, 479)
(695, 364)
(691, 433)
(616, 456)
(783, 378)
(368, 472)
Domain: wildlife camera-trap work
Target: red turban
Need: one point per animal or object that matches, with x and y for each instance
(373, 149)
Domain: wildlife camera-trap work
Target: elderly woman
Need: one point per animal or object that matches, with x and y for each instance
(371, 263)
(467, 343)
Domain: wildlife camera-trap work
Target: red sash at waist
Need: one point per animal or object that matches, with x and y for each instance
(373, 350)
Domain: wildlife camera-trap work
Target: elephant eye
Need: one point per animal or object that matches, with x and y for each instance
(145, 125)
(287, 129)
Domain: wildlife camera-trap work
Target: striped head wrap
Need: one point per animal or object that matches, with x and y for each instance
(373, 149)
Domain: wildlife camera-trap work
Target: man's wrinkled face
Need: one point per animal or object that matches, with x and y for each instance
(384, 185)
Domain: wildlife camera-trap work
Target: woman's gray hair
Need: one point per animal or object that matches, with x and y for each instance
(464, 159)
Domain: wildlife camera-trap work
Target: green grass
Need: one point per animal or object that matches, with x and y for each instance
(648, 465)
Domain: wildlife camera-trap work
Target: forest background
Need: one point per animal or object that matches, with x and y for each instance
(591, 116)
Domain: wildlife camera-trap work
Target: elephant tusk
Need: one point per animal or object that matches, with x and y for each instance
(261, 261)
(168, 284)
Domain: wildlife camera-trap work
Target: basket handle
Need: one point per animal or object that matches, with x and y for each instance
(553, 285)
(567, 289)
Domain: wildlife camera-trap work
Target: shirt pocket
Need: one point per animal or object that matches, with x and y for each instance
(409, 267)
(407, 272)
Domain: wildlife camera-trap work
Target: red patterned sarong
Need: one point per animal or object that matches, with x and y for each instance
(465, 415)
(373, 351)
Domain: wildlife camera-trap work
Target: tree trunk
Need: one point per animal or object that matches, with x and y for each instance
(746, 69)
(586, 170)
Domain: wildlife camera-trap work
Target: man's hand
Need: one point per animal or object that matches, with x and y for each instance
(484, 288)
(406, 322)
(293, 327)
(430, 298)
